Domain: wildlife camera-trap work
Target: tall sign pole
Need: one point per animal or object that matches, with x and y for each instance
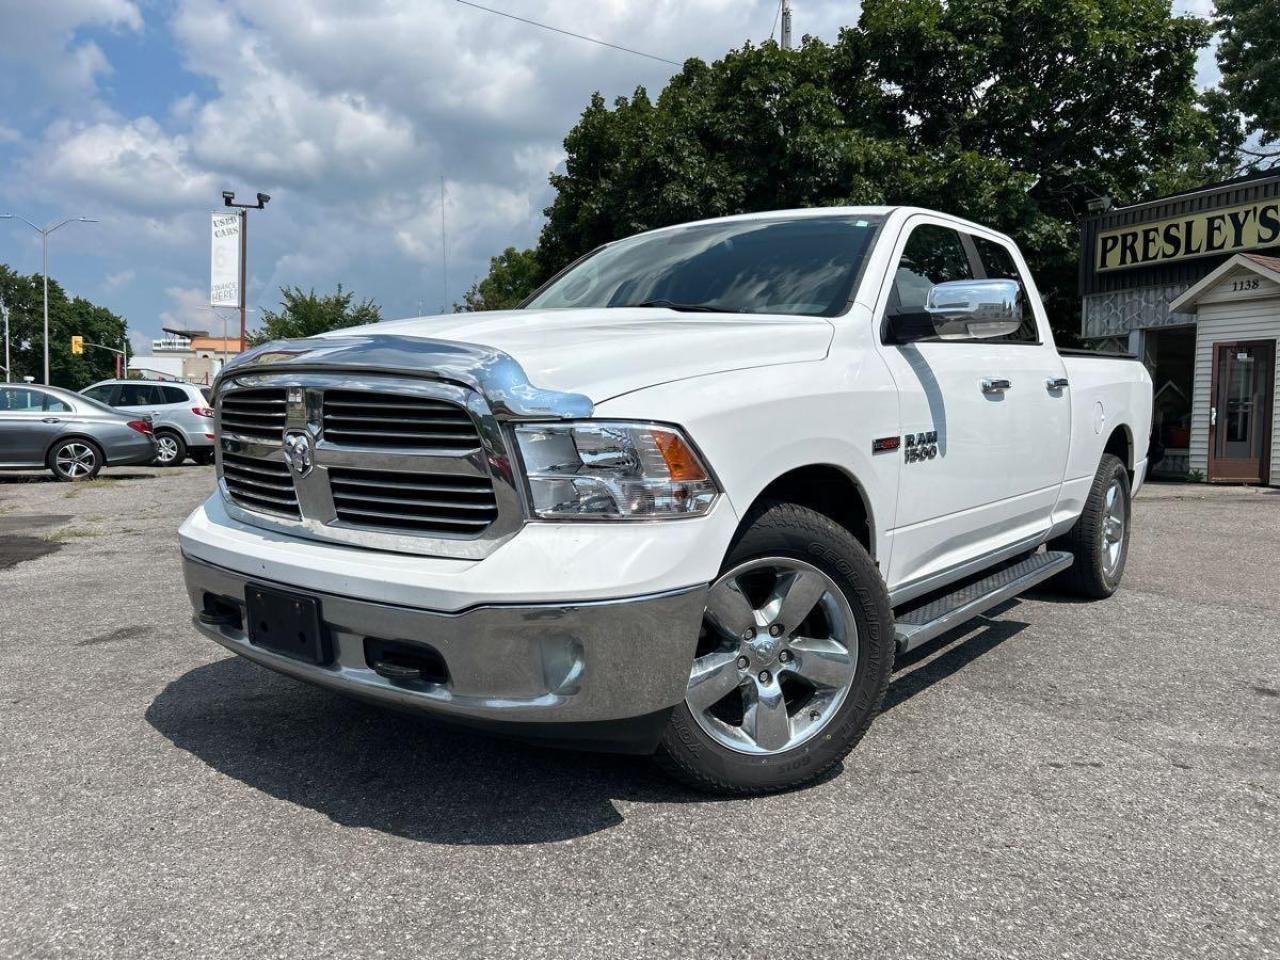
(786, 24)
(229, 200)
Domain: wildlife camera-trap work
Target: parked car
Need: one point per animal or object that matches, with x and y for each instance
(694, 497)
(72, 435)
(180, 412)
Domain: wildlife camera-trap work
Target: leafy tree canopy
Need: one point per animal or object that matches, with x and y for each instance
(307, 314)
(1249, 56)
(76, 316)
(1012, 113)
(512, 275)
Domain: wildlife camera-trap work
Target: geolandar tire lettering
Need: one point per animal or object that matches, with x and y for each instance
(792, 662)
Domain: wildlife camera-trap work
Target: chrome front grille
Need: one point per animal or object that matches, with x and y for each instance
(395, 463)
(362, 419)
(422, 502)
(260, 484)
(254, 413)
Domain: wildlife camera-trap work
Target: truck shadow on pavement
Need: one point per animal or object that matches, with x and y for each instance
(363, 766)
(414, 777)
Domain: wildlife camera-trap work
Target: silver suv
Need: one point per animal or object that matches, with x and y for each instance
(180, 414)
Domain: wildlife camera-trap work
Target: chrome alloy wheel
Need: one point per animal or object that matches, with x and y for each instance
(776, 658)
(75, 460)
(166, 449)
(1114, 527)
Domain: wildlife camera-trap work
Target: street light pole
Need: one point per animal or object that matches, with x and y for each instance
(229, 200)
(44, 268)
(8, 371)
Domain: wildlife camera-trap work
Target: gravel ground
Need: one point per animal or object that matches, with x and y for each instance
(1065, 780)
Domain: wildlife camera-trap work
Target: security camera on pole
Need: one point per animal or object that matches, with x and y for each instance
(229, 255)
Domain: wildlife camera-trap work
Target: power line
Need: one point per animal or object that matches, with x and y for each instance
(774, 28)
(569, 33)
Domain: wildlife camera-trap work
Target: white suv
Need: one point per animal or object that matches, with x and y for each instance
(180, 414)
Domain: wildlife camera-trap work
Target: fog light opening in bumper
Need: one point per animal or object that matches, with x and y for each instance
(402, 662)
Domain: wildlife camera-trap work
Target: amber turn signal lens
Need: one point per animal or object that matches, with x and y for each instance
(681, 461)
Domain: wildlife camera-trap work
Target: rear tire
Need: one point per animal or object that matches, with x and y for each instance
(824, 662)
(75, 459)
(171, 449)
(1100, 539)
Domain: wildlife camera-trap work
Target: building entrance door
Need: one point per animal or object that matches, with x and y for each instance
(1240, 415)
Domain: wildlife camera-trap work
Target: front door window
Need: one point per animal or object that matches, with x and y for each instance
(1243, 375)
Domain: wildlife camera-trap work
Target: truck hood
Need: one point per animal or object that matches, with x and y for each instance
(606, 353)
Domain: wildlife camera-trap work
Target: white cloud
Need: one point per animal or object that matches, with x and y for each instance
(132, 165)
(188, 310)
(40, 39)
(122, 278)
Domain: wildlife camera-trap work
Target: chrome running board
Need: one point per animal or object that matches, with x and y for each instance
(917, 625)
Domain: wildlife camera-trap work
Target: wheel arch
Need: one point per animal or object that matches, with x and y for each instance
(1120, 445)
(827, 489)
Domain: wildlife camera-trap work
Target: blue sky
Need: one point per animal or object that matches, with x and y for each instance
(140, 112)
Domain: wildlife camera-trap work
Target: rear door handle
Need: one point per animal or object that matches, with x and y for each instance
(1056, 383)
(52, 420)
(995, 385)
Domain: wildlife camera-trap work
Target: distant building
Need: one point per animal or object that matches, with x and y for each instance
(200, 356)
(1191, 284)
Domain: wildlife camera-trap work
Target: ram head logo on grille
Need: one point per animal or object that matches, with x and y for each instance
(298, 454)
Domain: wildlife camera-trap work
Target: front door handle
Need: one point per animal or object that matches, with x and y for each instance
(51, 420)
(995, 385)
(1056, 383)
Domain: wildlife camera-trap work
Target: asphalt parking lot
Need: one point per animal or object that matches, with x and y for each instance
(1064, 780)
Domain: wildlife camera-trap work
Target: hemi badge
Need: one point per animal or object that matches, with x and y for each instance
(885, 443)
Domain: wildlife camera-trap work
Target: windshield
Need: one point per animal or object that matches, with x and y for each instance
(804, 266)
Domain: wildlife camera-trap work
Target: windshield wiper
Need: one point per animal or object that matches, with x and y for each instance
(682, 307)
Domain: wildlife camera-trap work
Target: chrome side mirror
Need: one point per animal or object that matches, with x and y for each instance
(975, 309)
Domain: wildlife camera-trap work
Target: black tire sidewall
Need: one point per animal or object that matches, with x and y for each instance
(815, 539)
(1112, 469)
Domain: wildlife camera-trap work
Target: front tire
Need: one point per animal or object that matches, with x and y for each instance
(792, 662)
(171, 449)
(1100, 539)
(75, 460)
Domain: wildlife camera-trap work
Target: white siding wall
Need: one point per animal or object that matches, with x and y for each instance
(1256, 318)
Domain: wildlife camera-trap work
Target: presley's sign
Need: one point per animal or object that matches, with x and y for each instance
(1228, 230)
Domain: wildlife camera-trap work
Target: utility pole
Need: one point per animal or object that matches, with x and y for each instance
(229, 200)
(786, 24)
(444, 256)
(44, 269)
(8, 371)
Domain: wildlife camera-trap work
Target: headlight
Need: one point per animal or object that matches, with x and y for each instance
(612, 470)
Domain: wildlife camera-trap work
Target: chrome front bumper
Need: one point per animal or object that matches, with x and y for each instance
(526, 665)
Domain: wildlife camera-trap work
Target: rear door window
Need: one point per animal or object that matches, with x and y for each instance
(138, 395)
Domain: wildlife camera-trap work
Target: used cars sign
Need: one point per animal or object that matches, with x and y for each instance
(1231, 229)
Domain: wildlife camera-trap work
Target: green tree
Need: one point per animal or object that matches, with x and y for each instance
(1249, 57)
(67, 317)
(512, 275)
(307, 314)
(1012, 113)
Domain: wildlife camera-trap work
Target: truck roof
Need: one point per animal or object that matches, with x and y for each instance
(806, 212)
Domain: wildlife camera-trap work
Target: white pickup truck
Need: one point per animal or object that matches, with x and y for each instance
(691, 499)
